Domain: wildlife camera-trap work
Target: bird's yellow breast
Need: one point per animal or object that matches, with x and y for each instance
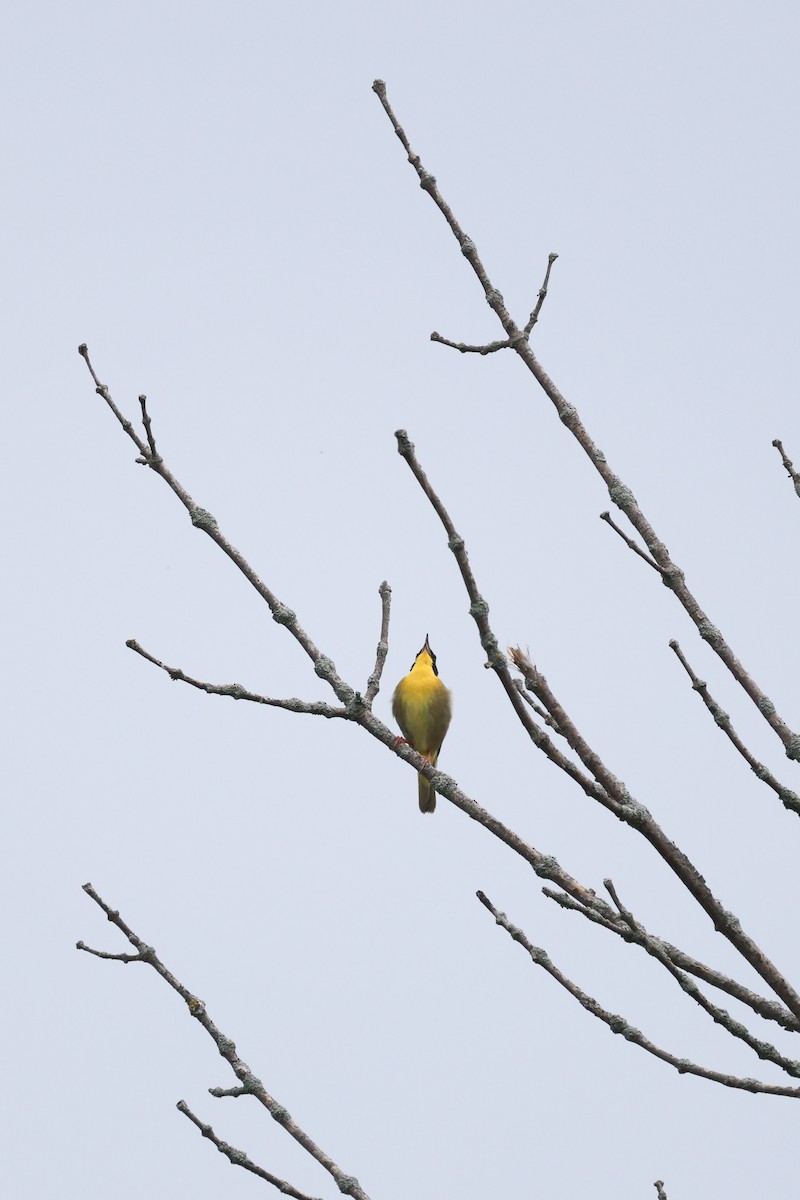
(421, 706)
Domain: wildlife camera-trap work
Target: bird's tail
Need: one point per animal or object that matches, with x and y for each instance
(427, 795)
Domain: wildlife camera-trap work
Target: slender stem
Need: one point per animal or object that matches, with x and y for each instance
(790, 799)
(534, 317)
(316, 708)
(788, 464)
(374, 681)
(238, 1158)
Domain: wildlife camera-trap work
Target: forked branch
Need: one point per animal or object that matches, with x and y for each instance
(620, 1025)
(238, 1158)
(249, 1082)
(600, 784)
(620, 494)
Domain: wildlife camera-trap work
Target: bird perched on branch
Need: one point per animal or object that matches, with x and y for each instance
(422, 708)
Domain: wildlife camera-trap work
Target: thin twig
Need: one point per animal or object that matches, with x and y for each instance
(608, 791)
(238, 1157)
(640, 818)
(374, 681)
(765, 1050)
(620, 494)
(788, 798)
(770, 1010)
(479, 611)
(202, 519)
(466, 348)
(537, 708)
(148, 428)
(315, 708)
(787, 462)
(609, 520)
(534, 317)
(144, 953)
(619, 1025)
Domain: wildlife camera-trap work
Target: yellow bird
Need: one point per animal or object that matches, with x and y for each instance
(422, 708)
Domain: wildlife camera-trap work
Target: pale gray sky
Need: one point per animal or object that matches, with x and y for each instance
(211, 196)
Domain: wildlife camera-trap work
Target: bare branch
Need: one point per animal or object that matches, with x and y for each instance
(151, 441)
(789, 799)
(465, 348)
(238, 1157)
(316, 708)
(359, 711)
(615, 796)
(787, 462)
(374, 681)
(346, 1183)
(479, 611)
(620, 494)
(608, 791)
(357, 708)
(202, 519)
(534, 317)
(619, 1025)
(720, 1016)
(659, 1186)
(123, 958)
(768, 1009)
(609, 520)
(537, 708)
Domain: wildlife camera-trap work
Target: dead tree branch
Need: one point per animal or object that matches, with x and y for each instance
(347, 1184)
(789, 798)
(238, 1158)
(620, 1025)
(787, 462)
(619, 493)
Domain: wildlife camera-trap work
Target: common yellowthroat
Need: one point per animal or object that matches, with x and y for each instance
(422, 708)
